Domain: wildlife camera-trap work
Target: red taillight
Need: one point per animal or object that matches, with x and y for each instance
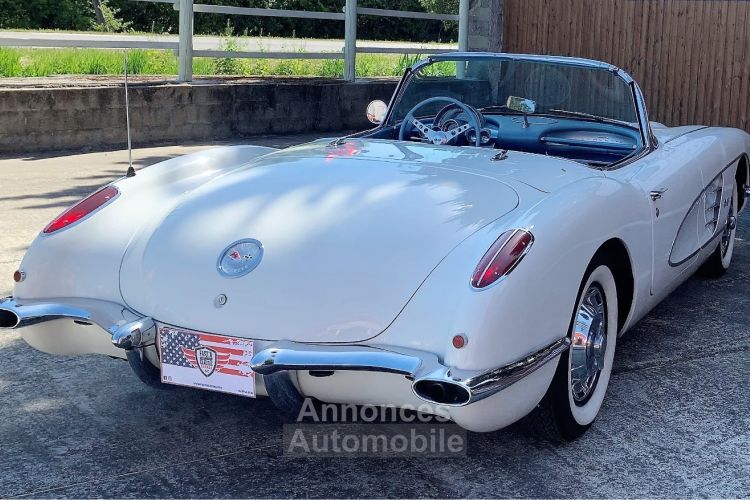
(82, 209)
(502, 257)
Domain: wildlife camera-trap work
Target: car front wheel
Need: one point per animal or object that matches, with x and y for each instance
(575, 396)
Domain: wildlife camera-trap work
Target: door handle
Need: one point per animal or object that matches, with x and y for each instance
(657, 193)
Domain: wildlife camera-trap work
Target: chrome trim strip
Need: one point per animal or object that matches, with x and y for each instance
(419, 366)
(563, 60)
(505, 244)
(647, 135)
(717, 232)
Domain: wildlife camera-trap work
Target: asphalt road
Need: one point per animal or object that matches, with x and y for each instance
(675, 423)
(267, 44)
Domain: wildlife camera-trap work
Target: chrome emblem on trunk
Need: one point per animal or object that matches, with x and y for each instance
(240, 258)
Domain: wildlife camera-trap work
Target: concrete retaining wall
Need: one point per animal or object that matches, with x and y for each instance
(44, 119)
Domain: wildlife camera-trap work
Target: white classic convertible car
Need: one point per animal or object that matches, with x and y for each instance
(477, 254)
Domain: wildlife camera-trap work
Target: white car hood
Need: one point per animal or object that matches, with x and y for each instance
(348, 237)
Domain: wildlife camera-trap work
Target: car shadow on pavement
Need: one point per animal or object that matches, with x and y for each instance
(64, 197)
(146, 161)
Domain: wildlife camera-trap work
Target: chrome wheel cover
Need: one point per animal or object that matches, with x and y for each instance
(589, 344)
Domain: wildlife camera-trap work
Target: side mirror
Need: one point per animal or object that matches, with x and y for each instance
(525, 106)
(376, 111)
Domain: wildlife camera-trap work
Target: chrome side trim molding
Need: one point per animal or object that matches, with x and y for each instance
(716, 234)
(431, 380)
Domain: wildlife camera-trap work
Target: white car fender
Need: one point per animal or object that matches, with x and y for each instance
(532, 307)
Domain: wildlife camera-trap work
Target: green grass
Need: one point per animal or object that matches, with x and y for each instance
(24, 62)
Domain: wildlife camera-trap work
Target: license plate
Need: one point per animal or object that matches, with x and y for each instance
(206, 361)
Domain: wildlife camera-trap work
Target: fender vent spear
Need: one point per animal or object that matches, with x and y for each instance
(131, 170)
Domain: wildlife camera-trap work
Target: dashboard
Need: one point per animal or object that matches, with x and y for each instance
(594, 143)
(586, 141)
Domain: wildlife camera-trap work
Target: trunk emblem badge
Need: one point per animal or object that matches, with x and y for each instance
(240, 258)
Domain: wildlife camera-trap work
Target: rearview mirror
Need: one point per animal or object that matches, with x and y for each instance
(525, 106)
(376, 111)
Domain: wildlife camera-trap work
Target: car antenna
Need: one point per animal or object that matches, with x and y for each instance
(131, 170)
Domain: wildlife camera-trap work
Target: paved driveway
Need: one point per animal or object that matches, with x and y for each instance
(676, 421)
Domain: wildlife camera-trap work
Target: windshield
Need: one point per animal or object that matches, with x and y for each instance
(485, 83)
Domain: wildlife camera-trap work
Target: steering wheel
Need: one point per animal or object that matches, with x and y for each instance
(452, 112)
(440, 137)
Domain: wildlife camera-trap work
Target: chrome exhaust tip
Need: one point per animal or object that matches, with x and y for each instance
(442, 392)
(9, 319)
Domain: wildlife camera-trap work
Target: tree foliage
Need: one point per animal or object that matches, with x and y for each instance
(440, 6)
(162, 18)
(46, 14)
(111, 21)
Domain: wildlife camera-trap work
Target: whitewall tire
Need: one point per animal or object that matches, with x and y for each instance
(575, 396)
(592, 349)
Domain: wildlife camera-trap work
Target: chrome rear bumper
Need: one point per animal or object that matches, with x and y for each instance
(128, 329)
(431, 380)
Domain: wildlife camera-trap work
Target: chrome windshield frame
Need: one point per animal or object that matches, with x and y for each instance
(644, 125)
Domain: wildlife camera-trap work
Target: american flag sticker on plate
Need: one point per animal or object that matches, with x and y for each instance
(206, 361)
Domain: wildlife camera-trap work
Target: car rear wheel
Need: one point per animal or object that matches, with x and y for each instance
(718, 263)
(145, 370)
(575, 396)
